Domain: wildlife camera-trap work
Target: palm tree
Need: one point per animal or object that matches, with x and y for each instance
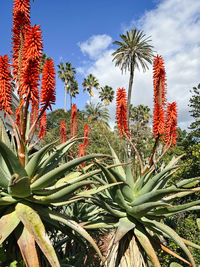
(134, 51)
(106, 94)
(73, 90)
(66, 74)
(96, 112)
(89, 83)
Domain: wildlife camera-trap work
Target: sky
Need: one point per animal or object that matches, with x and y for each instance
(82, 32)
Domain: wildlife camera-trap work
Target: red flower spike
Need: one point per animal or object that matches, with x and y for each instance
(31, 64)
(82, 153)
(121, 112)
(171, 124)
(21, 22)
(48, 91)
(43, 125)
(74, 120)
(5, 85)
(63, 131)
(159, 84)
(86, 134)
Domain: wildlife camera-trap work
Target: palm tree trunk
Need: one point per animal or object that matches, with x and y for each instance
(65, 100)
(130, 90)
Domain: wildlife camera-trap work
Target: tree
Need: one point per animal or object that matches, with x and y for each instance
(195, 112)
(106, 94)
(96, 112)
(66, 74)
(43, 59)
(89, 83)
(134, 51)
(73, 90)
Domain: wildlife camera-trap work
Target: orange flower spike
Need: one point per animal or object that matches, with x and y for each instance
(74, 120)
(21, 22)
(82, 153)
(43, 125)
(5, 85)
(63, 131)
(171, 124)
(34, 112)
(159, 83)
(86, 134)
(121, 112)
(48, 91)
(31, 67)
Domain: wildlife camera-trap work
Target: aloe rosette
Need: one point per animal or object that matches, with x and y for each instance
(29, 193)
(137, 210)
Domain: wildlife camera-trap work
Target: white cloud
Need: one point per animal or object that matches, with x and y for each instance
(174, 26)
(95, 45)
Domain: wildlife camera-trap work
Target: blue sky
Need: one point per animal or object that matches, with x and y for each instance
(82, 33)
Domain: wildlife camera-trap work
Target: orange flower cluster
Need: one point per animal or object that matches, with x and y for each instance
(5, 85)
(31, 64)
(43, 125)
(86, 134)
(21, 22)
(159, 83)
(171, 123)
(74, 120)
(48, 92)
(121, 112)
(63, 131)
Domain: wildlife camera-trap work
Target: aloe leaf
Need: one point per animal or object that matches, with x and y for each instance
(125, 225)
(8, 223)
(150, 184)
(185, 182)
(198, 223)
(51, 176)
(141, 210)
(173, 235)
(72, 224)
(4, 178)
(175, 264)
(12, 162)
(32, 166)
(3, 134)
(182, 194)
(7, 200)
(119, 168)
(96, 190)
(63, 194)
(147, 246)
(26, 243)
(34, 225)
(153, 196)
(190, 243)
(126, 190)
(19, 187)
(129, 176)
(99, 225)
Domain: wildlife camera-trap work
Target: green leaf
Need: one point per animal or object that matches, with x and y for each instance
(32, 166)
(190, 243)
(4, 178)
(119, 168)
(147, 246)
(63, 194)
(12, 162)
(72, 224)
(50, 177)
(125, 225)
(173, 235)
(19, 187)
(175, 264)
(198, 223)
(26, 243)
(7, 200)
(8, 223)
(34, 225)
(96, 190)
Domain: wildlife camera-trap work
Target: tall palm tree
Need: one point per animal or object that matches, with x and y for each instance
(96, 112)
(134, 51)
(106, 94)
(66, 74)
(74, 90)
(89, 83)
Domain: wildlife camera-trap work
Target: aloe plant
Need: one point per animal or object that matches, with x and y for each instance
(137, 209)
